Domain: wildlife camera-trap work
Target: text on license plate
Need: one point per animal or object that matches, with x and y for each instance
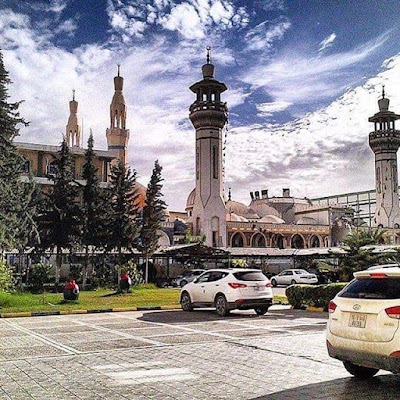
(358, 320)
(257, 288)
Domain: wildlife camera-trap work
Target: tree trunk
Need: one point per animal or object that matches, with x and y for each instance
(58, 265)
(147, 269)
(85, 267)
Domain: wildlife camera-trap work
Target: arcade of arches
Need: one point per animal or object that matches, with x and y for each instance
(277, 240)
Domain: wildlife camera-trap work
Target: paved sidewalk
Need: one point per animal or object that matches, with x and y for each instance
(176, 355)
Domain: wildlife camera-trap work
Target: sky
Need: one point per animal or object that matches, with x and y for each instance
(303, 77)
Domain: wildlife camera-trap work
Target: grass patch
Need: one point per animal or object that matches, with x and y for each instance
(142, 296)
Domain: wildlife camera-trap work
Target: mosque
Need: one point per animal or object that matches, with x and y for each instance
(279, 222)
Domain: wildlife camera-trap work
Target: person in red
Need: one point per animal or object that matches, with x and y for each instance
(125, 282)
(71, 290)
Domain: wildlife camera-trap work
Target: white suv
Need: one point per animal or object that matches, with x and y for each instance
(228, 289)
(363, 328)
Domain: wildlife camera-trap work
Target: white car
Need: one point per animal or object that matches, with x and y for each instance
(293, 276)
(228, 289)
(363, 328)
(186, 277)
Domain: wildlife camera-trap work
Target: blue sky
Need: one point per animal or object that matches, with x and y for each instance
(303, 78)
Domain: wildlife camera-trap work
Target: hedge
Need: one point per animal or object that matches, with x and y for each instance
(313, 295)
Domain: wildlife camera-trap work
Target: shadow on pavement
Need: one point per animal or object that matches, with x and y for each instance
(385, 387)
(180, 317)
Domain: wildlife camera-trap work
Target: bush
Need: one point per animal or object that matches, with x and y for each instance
(6, 278)
(39, 274)
(313, 295)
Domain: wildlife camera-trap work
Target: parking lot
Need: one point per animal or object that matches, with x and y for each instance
(177, 355)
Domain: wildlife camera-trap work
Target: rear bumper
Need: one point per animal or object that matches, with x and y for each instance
(348, 352)
(248, 304)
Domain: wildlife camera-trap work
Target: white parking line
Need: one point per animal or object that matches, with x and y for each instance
(44, 339)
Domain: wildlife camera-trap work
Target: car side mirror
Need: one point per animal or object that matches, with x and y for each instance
(196, 280)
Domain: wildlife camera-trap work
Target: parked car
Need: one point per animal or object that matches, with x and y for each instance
(228, 289)
(186, 277)
(292, 276)
(363, 328)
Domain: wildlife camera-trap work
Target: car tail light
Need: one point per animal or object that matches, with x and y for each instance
(378, 275)
(393, 312)
(236, 285)
(395, 354)
(268, 284)
(332, 307)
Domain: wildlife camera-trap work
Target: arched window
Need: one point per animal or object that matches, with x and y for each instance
(277, 241)
(297, 242)
(314, 241)
(26, 168)
(52, 168)
(258, 240)
(237, 240)
(215, 162)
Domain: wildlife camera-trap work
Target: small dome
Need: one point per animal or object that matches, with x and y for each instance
(271, 219)
(307, 221)
(232, 217)
(141, 198)
(190, 199)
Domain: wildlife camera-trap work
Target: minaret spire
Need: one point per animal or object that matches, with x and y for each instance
(117, 134)
(208, 54)
(73, 130)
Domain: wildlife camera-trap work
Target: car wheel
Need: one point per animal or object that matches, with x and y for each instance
(186, 303)
(293, 282)
(358, 371)
(221, 306)
(274, 283)
(183, 283)
(261, 310)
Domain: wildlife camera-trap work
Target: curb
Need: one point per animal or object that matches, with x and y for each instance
(93, 311)
(315, 309)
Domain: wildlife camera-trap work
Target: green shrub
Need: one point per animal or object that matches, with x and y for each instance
(6, 277)
(313, 295)
(39, 274)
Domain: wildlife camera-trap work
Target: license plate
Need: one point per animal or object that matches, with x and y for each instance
(257, 288)
(358, 320)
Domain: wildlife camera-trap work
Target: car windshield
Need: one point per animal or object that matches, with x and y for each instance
(250, 276)
(301, 272)
(380, 289)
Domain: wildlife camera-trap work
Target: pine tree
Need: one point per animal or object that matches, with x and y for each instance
(153, 215)
(60, 220)
(93, 221)
(122, 230)
(14, 194)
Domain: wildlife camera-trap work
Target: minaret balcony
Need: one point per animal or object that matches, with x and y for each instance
(208, 105)
(384, 140)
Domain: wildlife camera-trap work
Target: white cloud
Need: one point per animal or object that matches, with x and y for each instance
(68, 26)
(327, 42)
(263, 35)
(268, 109)
(298, 78)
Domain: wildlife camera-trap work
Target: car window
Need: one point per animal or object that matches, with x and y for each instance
(196, 273)
(386, 289)
(216, 276)
(287, 273)
(203, 278)
(301, 272)
(250, 276)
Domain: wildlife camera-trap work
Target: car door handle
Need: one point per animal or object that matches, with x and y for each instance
(216, 285)
(202, 286)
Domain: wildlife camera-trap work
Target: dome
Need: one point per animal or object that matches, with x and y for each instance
(190, 199)
(307, 221)
(271, 219)
(141, 192)
(235, 218)
(263, 209)
(237, 208)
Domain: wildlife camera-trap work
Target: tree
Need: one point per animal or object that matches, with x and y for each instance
(93, 221)
(16, 217)
(358, 257)
(122, 216)
(60, 219)
(153, 215)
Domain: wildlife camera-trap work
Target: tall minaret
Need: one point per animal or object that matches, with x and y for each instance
(209, 115)
(117, 134)
(384, 142)
(73, 130)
